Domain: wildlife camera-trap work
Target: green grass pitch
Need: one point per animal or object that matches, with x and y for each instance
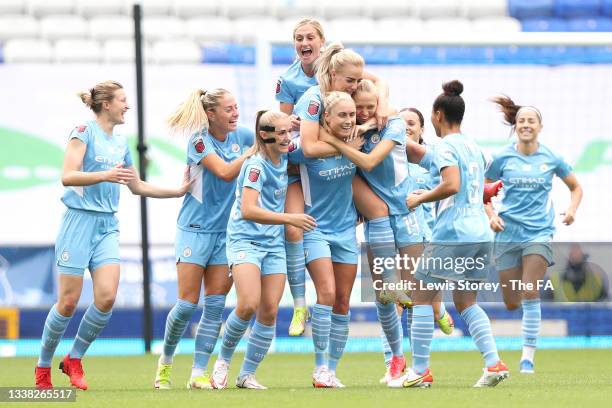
(564, 378)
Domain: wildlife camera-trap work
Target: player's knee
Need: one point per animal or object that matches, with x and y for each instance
(246, 309)
(341, 305)
(105, 302)
(66, 305)
(189, 295)
(267, 317)
(293, 234)
(326, 296)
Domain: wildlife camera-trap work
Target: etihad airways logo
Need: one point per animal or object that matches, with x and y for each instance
(339, 171)
(527, 182)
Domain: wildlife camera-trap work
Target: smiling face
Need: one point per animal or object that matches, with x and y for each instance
(527, 126)
(365, 104)
(346, 79)
(307, 43)
(414, 130)
(117, 107)
(224, 117)
(341, 118)
(282, 134)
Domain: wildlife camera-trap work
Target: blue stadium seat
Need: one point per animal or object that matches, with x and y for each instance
(596, 24)
(606, 8)
(544, 24)
(531, 8)
(577, 8)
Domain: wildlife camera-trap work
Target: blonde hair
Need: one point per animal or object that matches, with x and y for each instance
(190, 116)
(366, 86)
(331, 99)
(102, 92)
(335, 57)
(265, 118)
(314, 23)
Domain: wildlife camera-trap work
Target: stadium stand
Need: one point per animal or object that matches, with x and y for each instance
(236, 23)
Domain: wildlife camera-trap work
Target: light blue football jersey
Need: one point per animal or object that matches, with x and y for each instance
(310, 105)
(103, 152)
(293, 83)
(390, 180)
(527, 185)
(460, 218)
(207, 205)
(328, 191)
(423, 181)
(262, 175)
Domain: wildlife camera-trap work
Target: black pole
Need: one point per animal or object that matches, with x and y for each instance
(147, 326)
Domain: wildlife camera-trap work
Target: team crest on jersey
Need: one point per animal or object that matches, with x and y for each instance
(313, 107)
(235, 148)
(254, 175)
(199, 145)
(81, 128)
(543, 167)
(187, 252)
(278, 85)
(375, 138)
(65, 256)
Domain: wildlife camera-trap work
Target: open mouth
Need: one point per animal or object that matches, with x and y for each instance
(306, 51)
(284, 143)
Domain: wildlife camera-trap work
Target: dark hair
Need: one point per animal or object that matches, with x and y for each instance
(511, 109)
(421, 119)
(450, 102)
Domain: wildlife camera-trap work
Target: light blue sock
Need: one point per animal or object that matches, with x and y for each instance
(479, 326)
(92, 323)
(295, 269)
(409, 324)
(382, 243)
(176, 323)
(208, 330)
(532, 318)
(234, 330)
(321, 325)
(260, 338)
(386, 348)
(442, 309)
(55, 326)
(338, 335)
(391, 325)
(421, 334)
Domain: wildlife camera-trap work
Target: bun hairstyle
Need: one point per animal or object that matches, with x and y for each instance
(102, 92)
(190, 116)
(334, 58)
(511, 109)
(450, 102)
